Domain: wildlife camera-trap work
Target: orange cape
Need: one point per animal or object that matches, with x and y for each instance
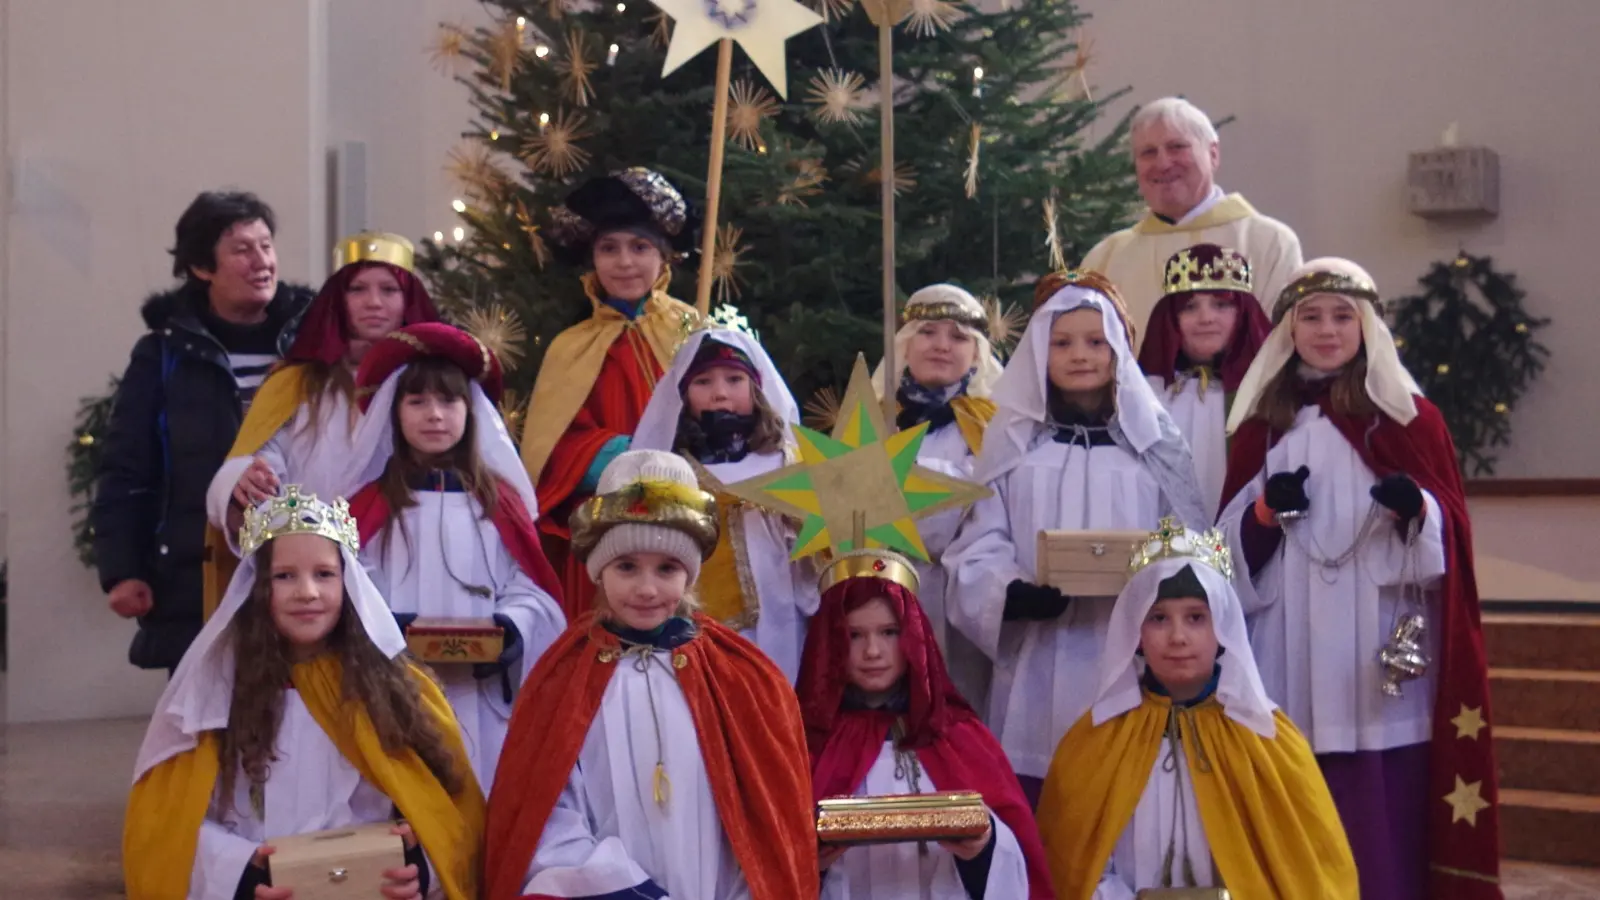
(751, 739)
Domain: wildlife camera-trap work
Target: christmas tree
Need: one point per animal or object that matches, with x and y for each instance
(1469, 341)
(996, 179)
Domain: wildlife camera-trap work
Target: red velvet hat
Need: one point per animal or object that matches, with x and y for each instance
(429, 339)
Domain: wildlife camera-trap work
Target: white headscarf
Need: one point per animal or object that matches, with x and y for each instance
(1022, 398)
(200, 694)
(658, 425)
(1239, 687)
(987, 368)
(1390, 386)
(373, 443)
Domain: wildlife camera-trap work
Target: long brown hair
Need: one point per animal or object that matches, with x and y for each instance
(383, 686)
(766, 437)
(320, 378)
(1280, 399)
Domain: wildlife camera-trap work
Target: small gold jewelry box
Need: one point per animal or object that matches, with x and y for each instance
(445, 640)
(1086, 563)
(338, 864)
(955, 816)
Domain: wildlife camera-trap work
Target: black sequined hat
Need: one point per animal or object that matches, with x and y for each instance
(636, 198)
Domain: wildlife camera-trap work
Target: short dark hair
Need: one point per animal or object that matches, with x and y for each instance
(206, 220)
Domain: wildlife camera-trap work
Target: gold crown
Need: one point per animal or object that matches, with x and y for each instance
(870, 563)
(298, 513)
(1171, 540)
(945, 310)
(374, 246)
(1226, 271)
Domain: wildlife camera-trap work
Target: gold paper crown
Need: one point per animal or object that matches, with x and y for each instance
(945, 310)
(1171, 540)
(374, 246)
(647, 501)
(870, 563)
(1321, 282)
(725, 317)
(1221, 270)
(298, 513)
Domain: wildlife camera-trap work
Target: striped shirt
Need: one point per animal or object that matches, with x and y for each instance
(252, 351)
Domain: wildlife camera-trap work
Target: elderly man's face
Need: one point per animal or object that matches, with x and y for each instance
(1174, 169)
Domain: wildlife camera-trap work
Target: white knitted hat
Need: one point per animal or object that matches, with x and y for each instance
(681, 521)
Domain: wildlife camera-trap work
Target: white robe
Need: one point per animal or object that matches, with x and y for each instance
(945, 451)
(1315, 633)
(312, 788)
(903, 872)
(1044, 672)
(607, 834)
(318, 459)
(786, 591)
(1166, 810)
(448, 535)
(1203, 419)
(1135, 259)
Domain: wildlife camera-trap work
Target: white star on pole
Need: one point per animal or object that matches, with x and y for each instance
(760, 26)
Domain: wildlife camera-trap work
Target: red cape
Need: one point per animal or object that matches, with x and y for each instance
(324, 336)
(615, 403)
(954, 747)
(1464, 855)
(750, 738)
(511, 519)
(1158, 355)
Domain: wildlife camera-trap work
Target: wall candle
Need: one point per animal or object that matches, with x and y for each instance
(611, 57)
(544, 122)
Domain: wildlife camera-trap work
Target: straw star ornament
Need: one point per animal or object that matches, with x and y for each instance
(759, 26)
(860, 471)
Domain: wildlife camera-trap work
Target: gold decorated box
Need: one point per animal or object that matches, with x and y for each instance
(336, 864)
(442, 640)
(956, 816)
(1087, 563)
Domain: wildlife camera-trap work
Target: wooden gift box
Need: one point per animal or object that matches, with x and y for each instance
(336, 864)
(442, 640)
(956, 816)
(1087, 563)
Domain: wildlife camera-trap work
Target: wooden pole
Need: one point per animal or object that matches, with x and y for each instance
(858, 535)
(719, 139)
(891, 374)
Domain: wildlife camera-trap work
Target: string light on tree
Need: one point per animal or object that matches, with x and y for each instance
(541, 51)
(460, 234)
(977, 81)
(458, 205)
(611, 55)
(438, 237)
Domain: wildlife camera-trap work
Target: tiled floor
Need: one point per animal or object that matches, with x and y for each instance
(62, 789)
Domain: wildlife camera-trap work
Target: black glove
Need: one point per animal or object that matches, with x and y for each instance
(1286, 491)
(510, 652)
(404, 620)
(1029, 602)
(1399, 494)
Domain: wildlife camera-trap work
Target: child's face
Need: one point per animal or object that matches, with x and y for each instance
(1327, 331)
(432, 423)
(1205, 324)
(1080, 356)
(626, 264)
(876, 660)
(643, 590)
(1179, 644)
(940, 353)
(721, 388)
(307, 591)
(374, 304)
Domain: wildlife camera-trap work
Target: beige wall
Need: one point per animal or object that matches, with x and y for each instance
(116, 114)
(1331, 96)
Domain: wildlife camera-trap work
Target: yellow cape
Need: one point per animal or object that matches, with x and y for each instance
(162, 827)
(972, 417)
(1268, 816)
(275, 403)
(1229, 209)
(572, 365)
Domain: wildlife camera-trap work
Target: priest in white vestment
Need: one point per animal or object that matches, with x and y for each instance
(1176, 154)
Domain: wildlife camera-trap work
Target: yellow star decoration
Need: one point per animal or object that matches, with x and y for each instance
(760, 26)
(1470, 722)
(1466, 802)
(860, 469)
